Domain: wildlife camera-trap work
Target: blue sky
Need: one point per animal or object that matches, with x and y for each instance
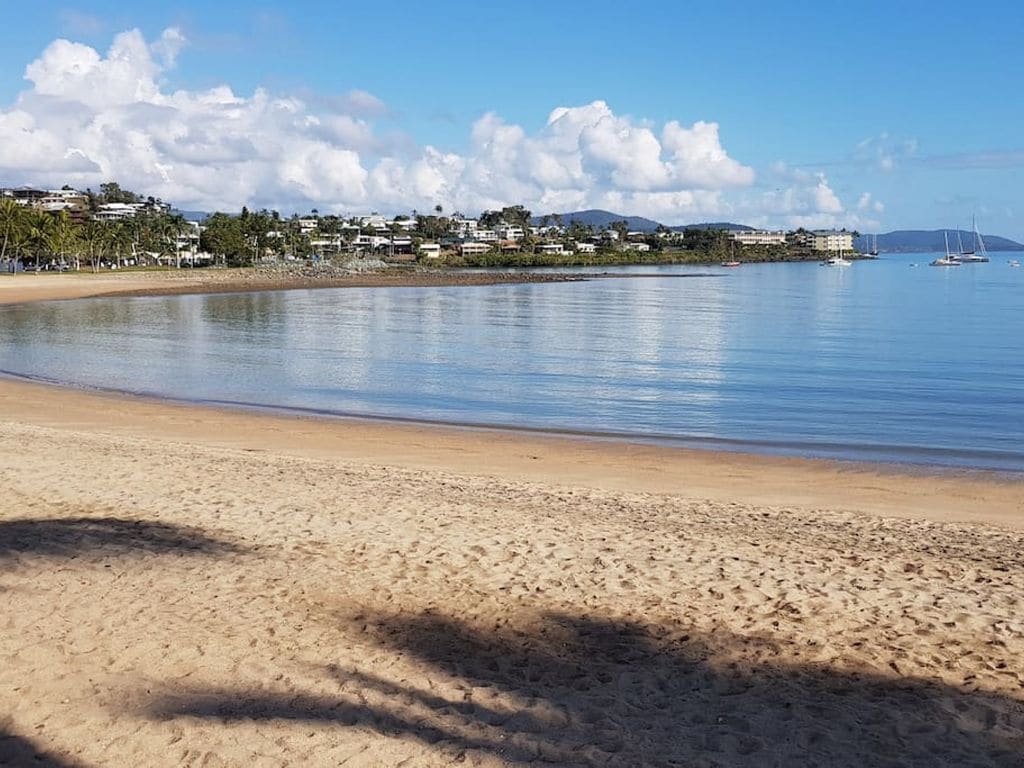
(870, 115)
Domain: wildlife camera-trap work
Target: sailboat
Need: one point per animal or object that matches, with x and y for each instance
(961, 254)
(972, 256)
(949, 260)
(872, 247)
(836, 261)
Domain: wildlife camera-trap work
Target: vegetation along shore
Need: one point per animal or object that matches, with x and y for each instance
(72, 230)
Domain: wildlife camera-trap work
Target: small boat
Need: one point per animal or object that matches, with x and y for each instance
(730, 263)
(949, 260)
(1014, 263)
(836, 261)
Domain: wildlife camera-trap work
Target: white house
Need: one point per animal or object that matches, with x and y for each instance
(509, 232)
(430, 250)
(551, 249)
(115, 212)
(758, 237)
(370, 242)
(463, 228)
(586, 247)
(637, 247)
(830, 240)
(322, 242)
(473, 249)
(373, 221)
(486, 236)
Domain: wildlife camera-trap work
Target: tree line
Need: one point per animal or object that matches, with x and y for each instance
(37, 239)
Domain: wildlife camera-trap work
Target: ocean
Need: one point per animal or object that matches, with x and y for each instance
(880, 361)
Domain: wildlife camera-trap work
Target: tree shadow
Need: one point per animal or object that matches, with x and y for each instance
(580, 690)
(71, 537)
(19, 752)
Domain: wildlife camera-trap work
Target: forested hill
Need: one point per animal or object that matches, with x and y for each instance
(599, 219)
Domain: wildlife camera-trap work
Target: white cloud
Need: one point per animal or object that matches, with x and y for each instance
(868, 203)
(804, 200)
(88, 117)
(884, 152)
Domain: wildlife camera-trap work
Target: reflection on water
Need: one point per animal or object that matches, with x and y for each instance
(876, 361)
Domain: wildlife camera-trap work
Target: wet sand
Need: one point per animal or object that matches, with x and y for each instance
(74, 285)
(191, 586)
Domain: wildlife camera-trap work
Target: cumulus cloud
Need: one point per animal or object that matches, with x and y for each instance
(88, 117)
(803, 199)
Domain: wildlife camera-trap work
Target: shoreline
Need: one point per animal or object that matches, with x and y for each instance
(711, 445)
(881, 489)
(665, 459)
(28, 288)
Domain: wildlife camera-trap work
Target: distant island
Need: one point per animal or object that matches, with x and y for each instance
(931, 241)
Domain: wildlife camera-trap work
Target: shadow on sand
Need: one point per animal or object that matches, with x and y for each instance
(103, 536)
(98, 537)
(18, 752)
(580, 690)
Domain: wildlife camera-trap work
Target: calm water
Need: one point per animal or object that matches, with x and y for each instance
(878, 361)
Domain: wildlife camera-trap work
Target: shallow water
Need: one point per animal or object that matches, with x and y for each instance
(878, 361)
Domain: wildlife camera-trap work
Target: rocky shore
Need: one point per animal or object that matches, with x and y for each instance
(356, 273)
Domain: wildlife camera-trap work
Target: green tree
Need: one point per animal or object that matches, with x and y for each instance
(516, 214)
(93, 238)
(12, 223)
(223, 236)
(64, 238)
(621, 228)
(40, 229)
(111, 192)
(490, 219)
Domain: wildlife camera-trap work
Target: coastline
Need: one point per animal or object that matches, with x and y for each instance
(921, 493)
(196, 585)
(617, 463)
(23, 288)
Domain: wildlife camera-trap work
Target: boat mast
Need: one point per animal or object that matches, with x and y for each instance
(979, 241)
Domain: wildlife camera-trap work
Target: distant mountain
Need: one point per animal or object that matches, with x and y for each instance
(931, 241)
(713, 225)
(192, 215)
(600, 219)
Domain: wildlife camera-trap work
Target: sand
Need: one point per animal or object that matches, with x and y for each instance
(189, 586)
(49, 286)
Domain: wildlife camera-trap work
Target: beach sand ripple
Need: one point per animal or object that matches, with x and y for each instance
(176, 603)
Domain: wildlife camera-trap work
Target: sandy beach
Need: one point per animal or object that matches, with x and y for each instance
(52, 286)
(190, 586)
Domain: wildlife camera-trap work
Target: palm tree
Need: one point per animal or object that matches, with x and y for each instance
(118, 239)
(171, 229)
(64, 237)
(12, 220)
(93, 236)
(40, 229)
